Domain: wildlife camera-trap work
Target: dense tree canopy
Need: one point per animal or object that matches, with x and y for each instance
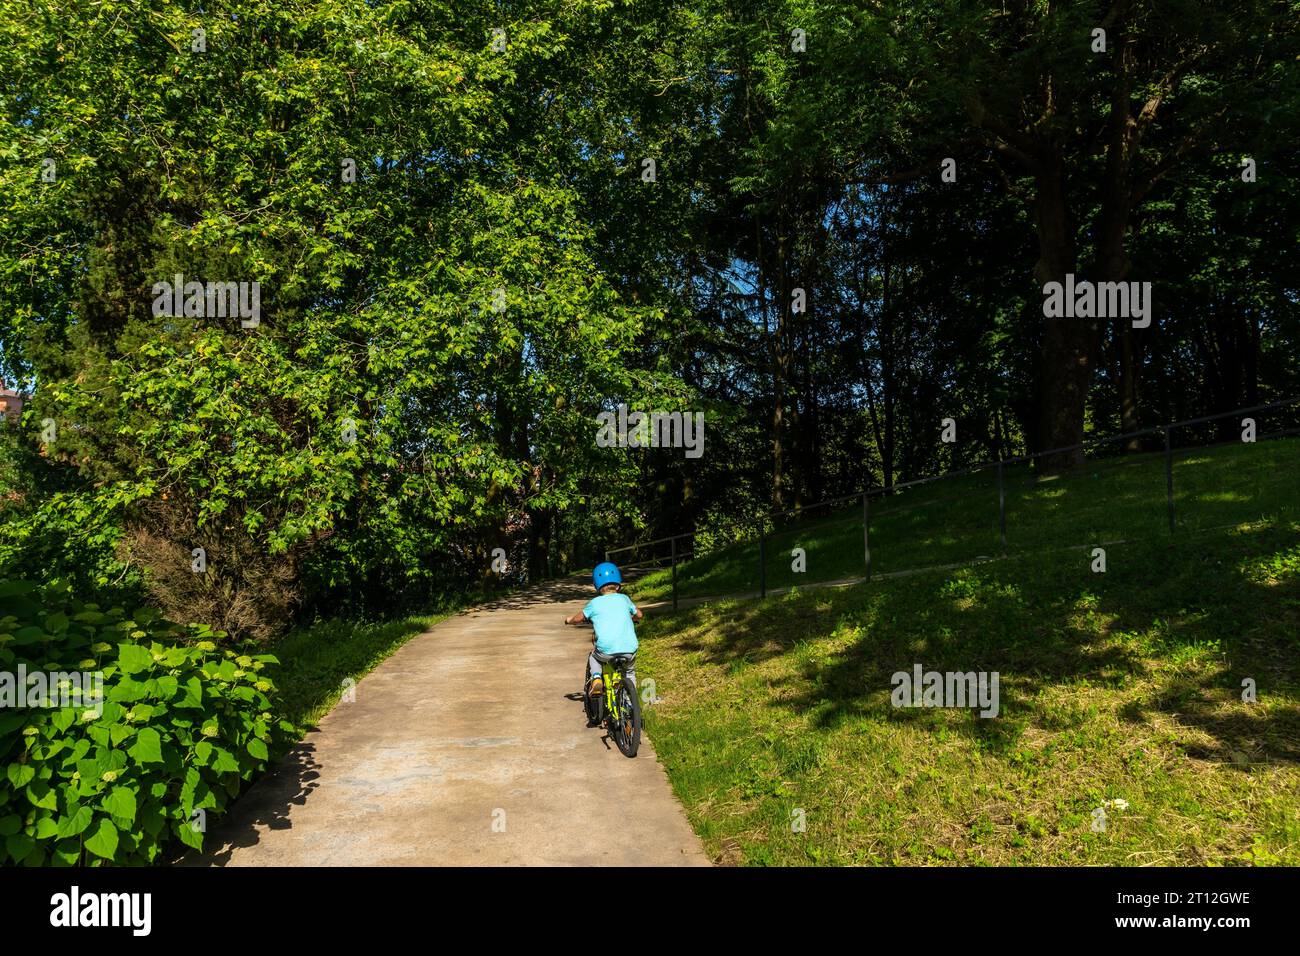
(474, 226)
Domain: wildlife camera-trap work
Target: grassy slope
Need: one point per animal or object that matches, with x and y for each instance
(956, 520)
(1124, 685)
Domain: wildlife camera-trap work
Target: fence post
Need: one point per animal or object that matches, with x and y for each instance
(762, 557)
(1169, 475)
(607, 555)
(1002, 508)
(674, 540)
(866, 533)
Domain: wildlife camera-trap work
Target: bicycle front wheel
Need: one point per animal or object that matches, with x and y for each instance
(625, 727)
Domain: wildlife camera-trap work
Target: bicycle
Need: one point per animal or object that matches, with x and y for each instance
(617, 709)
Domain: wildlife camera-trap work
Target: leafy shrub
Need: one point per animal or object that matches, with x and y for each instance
(182, 725)
(52, 528)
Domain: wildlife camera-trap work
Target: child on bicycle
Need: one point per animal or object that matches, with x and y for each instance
(611, 614)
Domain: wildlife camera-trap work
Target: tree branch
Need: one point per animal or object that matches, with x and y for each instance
(1186, 145)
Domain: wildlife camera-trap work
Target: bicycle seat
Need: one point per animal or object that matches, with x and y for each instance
(621, 660)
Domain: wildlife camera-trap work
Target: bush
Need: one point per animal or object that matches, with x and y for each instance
(244, 591)
(51, 527)
(181, 727)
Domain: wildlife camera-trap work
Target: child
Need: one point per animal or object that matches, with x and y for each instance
(611, 615)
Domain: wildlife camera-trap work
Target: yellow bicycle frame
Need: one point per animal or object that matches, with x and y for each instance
(611, 678)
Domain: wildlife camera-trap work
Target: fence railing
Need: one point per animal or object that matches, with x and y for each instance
(957, 529)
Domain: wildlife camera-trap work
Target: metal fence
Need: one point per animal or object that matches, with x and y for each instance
(1125, 488)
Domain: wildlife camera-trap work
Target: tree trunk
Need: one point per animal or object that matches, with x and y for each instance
(539, 543)
(1128, 384)
(886, 336)
(1069, 345)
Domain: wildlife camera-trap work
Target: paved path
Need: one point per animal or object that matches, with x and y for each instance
(462, 749)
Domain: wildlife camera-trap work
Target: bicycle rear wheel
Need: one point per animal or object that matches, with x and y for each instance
(592, 704)
(626, 727)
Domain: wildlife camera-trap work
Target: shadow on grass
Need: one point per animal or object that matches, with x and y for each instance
(1191, 618)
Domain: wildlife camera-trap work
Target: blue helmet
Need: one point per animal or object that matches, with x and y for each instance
(606, 573)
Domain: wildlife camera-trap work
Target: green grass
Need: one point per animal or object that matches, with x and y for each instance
(316, 660)
(1125, 685)
(956, 520)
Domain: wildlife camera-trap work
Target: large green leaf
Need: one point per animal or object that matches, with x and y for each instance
(224, 761)
(42, 796)
(66, 853)
(132, 658)
(191, 693)
(121, 802)
(19, 845)
(147, 747)
(76, 823)
(190, 836)
(103, 839)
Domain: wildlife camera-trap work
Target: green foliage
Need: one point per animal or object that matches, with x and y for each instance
(47, 529)
(380, 315)
(477, 169)
(181, 727)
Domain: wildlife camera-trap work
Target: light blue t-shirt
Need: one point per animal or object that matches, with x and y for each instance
(611, 616)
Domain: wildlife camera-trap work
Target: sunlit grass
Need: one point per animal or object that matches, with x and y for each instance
(1124, 686)
(956, 521)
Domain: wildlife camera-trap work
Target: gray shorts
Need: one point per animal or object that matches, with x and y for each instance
(596, 658)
